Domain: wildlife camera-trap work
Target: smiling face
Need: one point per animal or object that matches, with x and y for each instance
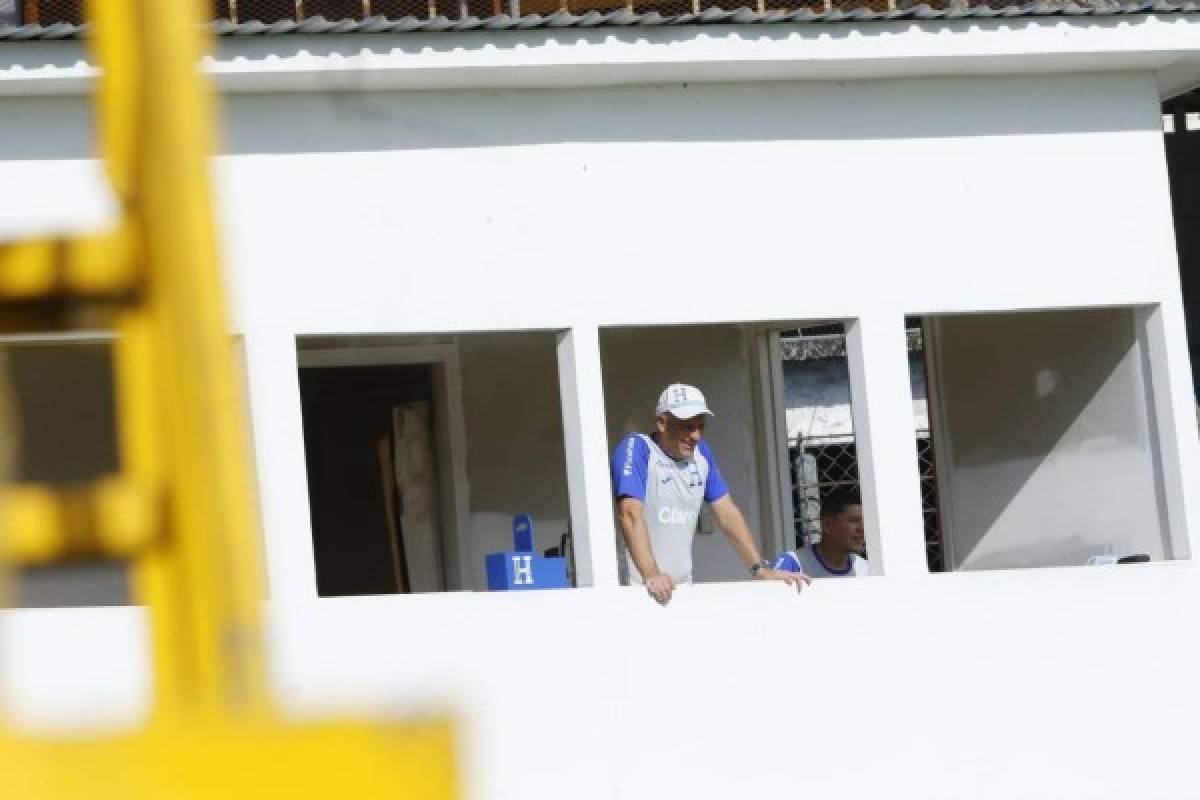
(680, 437)
(843, 532)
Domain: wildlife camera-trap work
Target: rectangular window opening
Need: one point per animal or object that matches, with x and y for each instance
(781, 435)
(1044, 439)
(822, 446)
(424, 452)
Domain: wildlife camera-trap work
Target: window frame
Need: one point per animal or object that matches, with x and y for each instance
(450, 437)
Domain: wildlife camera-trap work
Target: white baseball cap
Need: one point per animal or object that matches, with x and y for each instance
(682, 402)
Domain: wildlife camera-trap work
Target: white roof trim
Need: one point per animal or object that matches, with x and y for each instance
(1167, 45)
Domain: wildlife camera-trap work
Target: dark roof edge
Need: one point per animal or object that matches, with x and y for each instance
(625, 18)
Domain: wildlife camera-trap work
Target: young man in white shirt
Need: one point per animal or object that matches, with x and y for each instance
(842, 539)
(660, 482)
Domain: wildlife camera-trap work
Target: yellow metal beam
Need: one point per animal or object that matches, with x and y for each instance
(181, 508)
(210, 584)
(115, 517)
(335, 760)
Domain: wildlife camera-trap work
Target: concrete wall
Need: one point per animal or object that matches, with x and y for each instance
(987, 685)
(575, 210)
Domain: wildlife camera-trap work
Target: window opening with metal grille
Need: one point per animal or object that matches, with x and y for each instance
(822, 454)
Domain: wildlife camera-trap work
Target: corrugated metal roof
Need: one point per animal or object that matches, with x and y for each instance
(625, 17)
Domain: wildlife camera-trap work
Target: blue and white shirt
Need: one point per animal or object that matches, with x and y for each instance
(809, 562)
(672, 492)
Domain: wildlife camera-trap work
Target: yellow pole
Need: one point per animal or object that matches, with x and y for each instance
(203, 577)
(181, 507)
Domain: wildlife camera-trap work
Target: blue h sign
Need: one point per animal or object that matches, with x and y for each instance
(522, 568)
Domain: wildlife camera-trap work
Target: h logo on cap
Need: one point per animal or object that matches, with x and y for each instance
(682, 402)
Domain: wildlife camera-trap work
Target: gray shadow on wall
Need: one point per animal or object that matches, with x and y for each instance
(670, 113)
(1015, 390)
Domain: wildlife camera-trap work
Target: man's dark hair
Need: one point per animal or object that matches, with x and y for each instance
(836, 501)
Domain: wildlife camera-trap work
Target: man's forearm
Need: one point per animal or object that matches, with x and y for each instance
(637, 541)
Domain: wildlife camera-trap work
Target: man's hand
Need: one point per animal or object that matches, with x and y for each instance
(797, 579)
(660, 588)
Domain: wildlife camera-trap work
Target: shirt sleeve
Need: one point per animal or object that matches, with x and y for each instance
(714, 486)
(788, 563)
(629, 463)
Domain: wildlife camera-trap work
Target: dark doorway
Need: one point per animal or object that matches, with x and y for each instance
(362, 425)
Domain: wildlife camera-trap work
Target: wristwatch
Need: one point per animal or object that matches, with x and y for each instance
(759, 567)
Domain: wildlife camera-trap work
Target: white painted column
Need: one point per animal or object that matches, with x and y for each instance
(277, 432)
(1164, 334)
(581, 388)
(884, 432)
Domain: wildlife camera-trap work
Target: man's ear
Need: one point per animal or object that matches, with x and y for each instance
(660, 422)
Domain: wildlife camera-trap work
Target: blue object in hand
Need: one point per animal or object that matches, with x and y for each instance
(521, 568)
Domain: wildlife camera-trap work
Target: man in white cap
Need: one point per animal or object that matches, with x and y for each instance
(660, 482)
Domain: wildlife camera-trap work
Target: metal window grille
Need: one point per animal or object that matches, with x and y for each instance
(399, 9)
(821, 463)
(271, 11)
(667, 8)
(52, 12)
(266, 11)
(336, 10)
(935, 554)
(815, 6)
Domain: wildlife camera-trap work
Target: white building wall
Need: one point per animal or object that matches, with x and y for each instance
(425, 212)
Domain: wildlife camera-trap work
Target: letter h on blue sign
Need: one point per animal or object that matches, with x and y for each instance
(522, 568)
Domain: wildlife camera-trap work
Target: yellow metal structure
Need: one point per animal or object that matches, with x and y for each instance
(180, 511)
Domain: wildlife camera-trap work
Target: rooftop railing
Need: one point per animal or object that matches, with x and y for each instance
(50, 12)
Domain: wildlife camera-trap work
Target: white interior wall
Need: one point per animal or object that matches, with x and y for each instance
(1049, 439)
(515, 461)
(639, 363)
